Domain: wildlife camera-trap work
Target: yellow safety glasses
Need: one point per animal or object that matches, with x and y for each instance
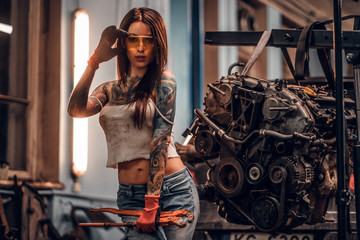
(133, 42)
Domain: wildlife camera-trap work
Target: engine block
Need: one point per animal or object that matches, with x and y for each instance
(275, 145)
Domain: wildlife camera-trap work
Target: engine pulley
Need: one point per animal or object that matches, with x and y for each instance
(269, 114)
(266, 213)
(229, 177)
(205, 143)
(277, 174)
(299, 173)
(254, 173)
(224, 97)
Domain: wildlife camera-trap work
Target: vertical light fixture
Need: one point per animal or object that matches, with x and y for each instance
(80, 125)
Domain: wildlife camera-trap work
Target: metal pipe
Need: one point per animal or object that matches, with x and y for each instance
(285, 137)
(196, 62)
(216, 89)
(341, 198)
(221, 132)
(357, 94)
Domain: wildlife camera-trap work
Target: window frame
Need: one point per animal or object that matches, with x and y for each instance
(43, 94)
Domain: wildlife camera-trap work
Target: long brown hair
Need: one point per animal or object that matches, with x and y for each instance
(154, 71)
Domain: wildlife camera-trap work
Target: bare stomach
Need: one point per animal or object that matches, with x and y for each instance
(137, 171)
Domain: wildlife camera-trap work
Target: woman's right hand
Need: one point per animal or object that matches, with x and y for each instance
(104, 51)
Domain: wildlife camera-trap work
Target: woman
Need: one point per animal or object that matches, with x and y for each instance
(137, 113)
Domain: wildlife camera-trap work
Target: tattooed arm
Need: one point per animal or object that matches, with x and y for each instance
(166, 94)
(164, 116)
(80, 105)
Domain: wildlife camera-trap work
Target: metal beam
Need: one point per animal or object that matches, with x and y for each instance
(282, 38)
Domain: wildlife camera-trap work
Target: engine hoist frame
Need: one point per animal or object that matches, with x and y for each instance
(320, 39)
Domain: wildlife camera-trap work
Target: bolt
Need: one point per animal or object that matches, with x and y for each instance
(287, 37)
(278, 175)
(350, 57)
(254, 172)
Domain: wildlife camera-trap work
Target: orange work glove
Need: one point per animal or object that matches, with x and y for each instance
(150, 215)
(104, 51)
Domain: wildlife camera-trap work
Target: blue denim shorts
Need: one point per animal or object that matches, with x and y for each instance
(178, 192)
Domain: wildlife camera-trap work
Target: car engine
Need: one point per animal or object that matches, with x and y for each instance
(275, 143)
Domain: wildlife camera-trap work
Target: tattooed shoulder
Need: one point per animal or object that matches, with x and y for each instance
(167, 74)
(167, 81)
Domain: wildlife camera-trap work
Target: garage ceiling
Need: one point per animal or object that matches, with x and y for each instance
(304, 12)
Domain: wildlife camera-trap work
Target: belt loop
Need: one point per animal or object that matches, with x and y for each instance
(164, 187)
(131, 191)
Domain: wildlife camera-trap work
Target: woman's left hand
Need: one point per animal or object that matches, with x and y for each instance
(150, 215)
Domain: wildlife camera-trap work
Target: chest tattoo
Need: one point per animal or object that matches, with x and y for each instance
(123, 92)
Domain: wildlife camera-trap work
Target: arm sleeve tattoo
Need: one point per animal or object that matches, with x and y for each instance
(165, 103)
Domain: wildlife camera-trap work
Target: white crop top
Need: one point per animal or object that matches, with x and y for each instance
(125, 141)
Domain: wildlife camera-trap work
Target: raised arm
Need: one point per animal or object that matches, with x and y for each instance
(80, 105)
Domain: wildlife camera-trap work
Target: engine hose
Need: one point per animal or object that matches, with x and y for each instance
(263, 132)
(221, 132)
(285, 137)
(234, 65)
